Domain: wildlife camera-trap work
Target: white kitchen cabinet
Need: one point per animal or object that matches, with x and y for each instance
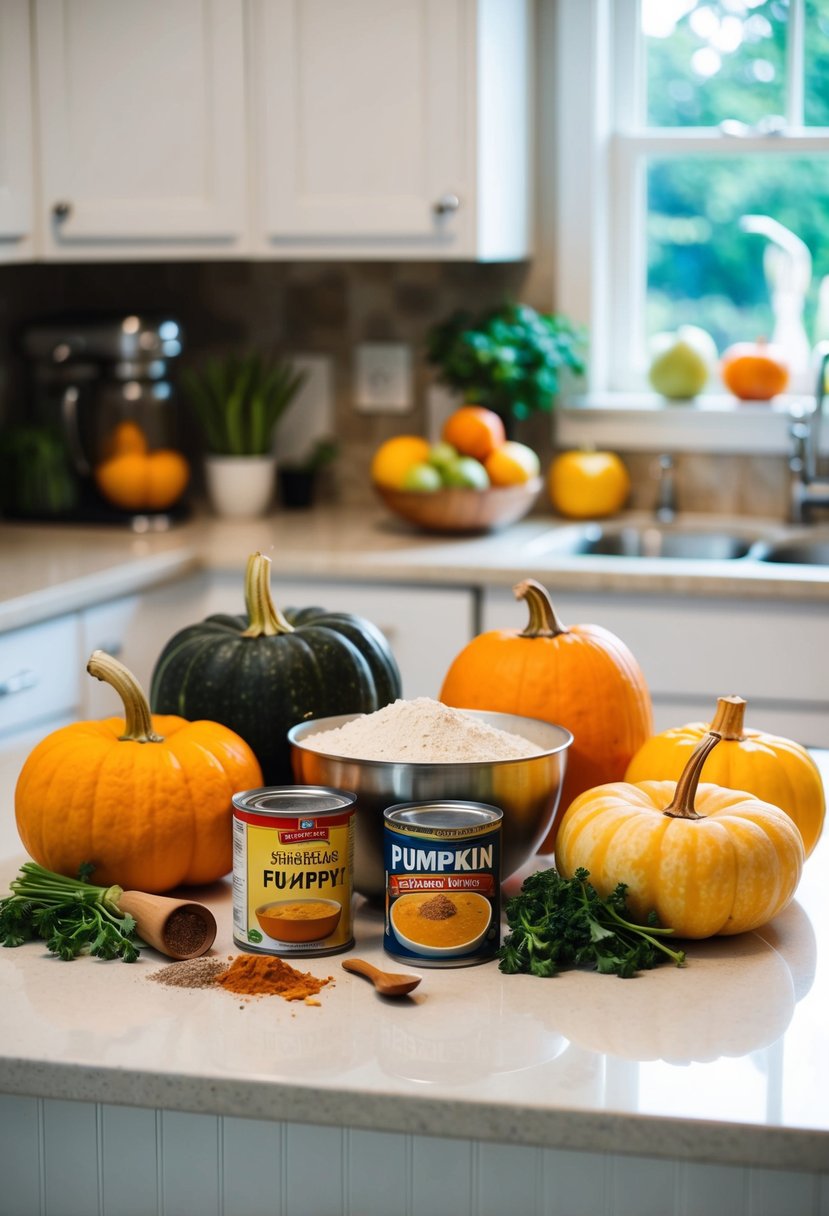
(39, 691)
(424, 626)
(142, 135)
(693, 650)
(134, 629)
(16, 169)
(392, 128)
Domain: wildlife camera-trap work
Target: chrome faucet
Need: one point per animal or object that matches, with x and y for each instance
(666, 504)
(807, 489)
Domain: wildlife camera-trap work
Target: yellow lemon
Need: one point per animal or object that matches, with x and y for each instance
(587, 485)
(393, 459)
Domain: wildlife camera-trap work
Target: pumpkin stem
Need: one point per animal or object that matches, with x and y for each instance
(729, 718)
(264, 619)
(543, 622)
(682, 804)
(138, 722)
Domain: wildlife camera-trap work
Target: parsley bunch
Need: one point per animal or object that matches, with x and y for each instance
(70, 914)
(557, 923)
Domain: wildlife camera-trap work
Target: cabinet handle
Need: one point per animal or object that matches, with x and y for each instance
(447, 203)
(62, 210)
(20, 681)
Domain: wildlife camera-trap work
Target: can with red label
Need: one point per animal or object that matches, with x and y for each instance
(443, 882)
(293, 862)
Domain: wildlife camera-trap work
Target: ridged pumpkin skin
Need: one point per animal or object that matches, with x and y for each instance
(581, 677)
(150, 814)
(774, 769)
(262, 673)
(709, 861)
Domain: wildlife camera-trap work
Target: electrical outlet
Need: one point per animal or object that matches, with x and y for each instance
(382, 378)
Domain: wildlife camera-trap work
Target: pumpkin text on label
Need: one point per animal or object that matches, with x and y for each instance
(146, 799)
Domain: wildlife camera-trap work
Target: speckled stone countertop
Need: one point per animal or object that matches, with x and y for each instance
(725, 1060)
(46, 570)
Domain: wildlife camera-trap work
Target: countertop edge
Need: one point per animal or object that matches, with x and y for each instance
(605, 1131)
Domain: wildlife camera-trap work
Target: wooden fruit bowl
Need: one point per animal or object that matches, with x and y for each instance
(458, 510)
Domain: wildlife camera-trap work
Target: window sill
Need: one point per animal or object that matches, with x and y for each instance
(643, 422)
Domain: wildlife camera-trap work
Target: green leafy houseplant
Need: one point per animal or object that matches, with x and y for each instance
(239, 399)
(508, 359)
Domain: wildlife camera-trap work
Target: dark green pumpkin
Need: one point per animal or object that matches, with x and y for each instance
(261, 673)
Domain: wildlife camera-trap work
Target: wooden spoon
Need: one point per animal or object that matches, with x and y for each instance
(387, 983)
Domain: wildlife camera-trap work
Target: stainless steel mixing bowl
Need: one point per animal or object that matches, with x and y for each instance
(527, 790)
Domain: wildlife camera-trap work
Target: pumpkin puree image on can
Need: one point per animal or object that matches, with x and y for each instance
(443, 882)
(293, 860)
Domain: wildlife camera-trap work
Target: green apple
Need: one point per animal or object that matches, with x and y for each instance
(466, 473)
(682, 362)
(422, 477)
(442, 454)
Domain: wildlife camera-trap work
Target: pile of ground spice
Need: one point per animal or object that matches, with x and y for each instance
(439, 907)
(264, 974)
(192, 973)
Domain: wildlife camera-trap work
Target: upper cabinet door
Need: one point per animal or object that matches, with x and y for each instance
(369, 119)
(142, 126)
(16, 206)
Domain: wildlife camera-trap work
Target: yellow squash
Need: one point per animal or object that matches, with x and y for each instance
(146, 800)
(774, 769)
(707, 860)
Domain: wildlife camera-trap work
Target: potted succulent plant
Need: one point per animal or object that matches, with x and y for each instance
(238, 401)
(509, 359)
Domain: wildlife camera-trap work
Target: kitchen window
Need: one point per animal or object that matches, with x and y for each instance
(692, 171)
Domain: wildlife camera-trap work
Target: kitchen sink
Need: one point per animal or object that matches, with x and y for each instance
(642, 540)
(806, 551)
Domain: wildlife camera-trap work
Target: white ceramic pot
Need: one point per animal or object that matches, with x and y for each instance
(240, 487)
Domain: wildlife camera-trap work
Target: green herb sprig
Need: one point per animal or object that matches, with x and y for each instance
(70, 914)
(556, 923)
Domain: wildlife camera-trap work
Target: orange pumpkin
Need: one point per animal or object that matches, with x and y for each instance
(582, 677)
(709, 861)
(143, 481)
(146, 799)
(772, 768)
(754, 371)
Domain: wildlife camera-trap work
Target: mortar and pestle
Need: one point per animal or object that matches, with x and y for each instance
(179, 928)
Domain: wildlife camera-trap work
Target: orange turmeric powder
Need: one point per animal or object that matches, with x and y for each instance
(264, 974)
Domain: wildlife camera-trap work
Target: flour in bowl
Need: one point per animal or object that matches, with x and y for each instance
(423, 731)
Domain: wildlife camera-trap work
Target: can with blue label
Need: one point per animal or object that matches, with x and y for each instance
(443, 882)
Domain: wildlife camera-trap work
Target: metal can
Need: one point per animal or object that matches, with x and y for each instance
(443, 882)
(293, 862)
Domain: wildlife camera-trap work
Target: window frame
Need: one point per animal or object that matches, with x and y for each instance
(602, 150)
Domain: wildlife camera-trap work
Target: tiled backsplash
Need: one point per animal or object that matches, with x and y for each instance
(327, 309)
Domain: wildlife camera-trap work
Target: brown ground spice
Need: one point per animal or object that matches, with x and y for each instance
(264, 974)
(192, 973)
(439, 907)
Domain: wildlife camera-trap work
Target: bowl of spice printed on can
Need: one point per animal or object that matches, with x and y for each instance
(443, 882)
(293, 857)
(299, 920)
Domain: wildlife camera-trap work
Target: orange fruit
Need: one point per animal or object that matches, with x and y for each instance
(587, 485)
(127, 437)
(512, 464)
(474, 431)
(143, 483)
(754, 371)
(393, 459)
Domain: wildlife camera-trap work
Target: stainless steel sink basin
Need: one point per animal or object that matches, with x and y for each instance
(642, 540)
(797, 551)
